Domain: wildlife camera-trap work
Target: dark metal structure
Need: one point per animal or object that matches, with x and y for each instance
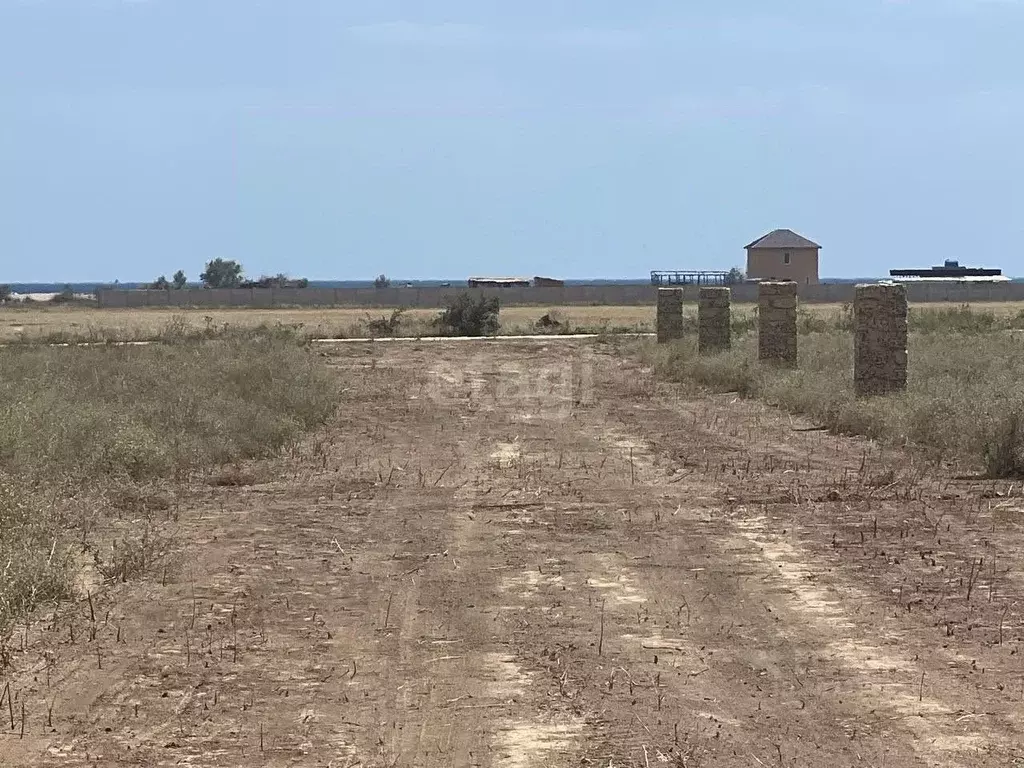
(950, 268)
(699, 277)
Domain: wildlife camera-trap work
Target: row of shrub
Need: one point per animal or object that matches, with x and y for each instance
(465, 315)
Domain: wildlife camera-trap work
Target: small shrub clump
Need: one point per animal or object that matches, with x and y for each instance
(553, 321)
(386, 325)
(468, 315)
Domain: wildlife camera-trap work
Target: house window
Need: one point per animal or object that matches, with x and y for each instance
(785, 258)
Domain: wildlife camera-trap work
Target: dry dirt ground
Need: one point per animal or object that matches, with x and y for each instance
(512, 554)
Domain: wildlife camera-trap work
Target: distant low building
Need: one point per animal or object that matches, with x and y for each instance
(783, 255)
(499, 282)
(949, 271)
(548, 282)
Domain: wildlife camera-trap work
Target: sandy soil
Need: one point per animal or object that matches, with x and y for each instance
(528, 555)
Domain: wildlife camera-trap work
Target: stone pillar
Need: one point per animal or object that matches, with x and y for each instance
(879, 339)
(670, 314)
(776, 323)
(714, 320)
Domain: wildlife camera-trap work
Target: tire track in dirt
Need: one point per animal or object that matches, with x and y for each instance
(562, 594)
(671, 672)
(867, 667)
(926, 692)
(606, 577)
(890, 678)
(291, 583)
(532, 555)
(607, 574)
(532, 732)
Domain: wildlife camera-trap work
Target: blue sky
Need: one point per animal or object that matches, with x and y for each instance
(594, 138)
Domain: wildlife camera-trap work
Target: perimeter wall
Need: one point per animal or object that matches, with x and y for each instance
(569, 295)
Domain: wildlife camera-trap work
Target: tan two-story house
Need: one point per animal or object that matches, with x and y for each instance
(783, 255)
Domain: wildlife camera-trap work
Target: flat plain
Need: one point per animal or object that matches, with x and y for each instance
(42, 322)
(523, 554)
(37, 323)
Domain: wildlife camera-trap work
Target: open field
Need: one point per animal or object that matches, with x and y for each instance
(511, 554)
(76, 323)
(91, 324)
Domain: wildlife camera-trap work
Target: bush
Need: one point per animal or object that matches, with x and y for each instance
(552, 321)
(66, 296)
(468, 315)
(279, 280)
(386, 326)
(381, 281)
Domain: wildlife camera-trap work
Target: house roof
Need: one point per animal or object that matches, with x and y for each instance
(783, 238)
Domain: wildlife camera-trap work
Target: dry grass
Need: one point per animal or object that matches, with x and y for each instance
(86, 432)
(965, 397)
(57, 324)
(84, 323)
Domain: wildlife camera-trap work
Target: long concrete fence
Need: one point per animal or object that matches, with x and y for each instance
(434, 297)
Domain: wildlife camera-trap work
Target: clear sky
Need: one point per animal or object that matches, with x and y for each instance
(442, 138)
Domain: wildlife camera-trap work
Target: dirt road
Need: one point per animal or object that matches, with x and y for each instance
(533, 555)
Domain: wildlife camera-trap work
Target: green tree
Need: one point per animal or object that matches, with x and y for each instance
(736, 275)
(5, 294)
(222, 273)
(160, 284)
(381, 281)
(280, 280)
(180, 281)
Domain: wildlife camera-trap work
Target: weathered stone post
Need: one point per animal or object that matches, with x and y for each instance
(670, 314)
(879, 339)
(714, 333)
(776, 323)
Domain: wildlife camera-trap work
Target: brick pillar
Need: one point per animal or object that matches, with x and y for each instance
(670, 314)
(880, 339)
(713, 320)
(776, 323)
